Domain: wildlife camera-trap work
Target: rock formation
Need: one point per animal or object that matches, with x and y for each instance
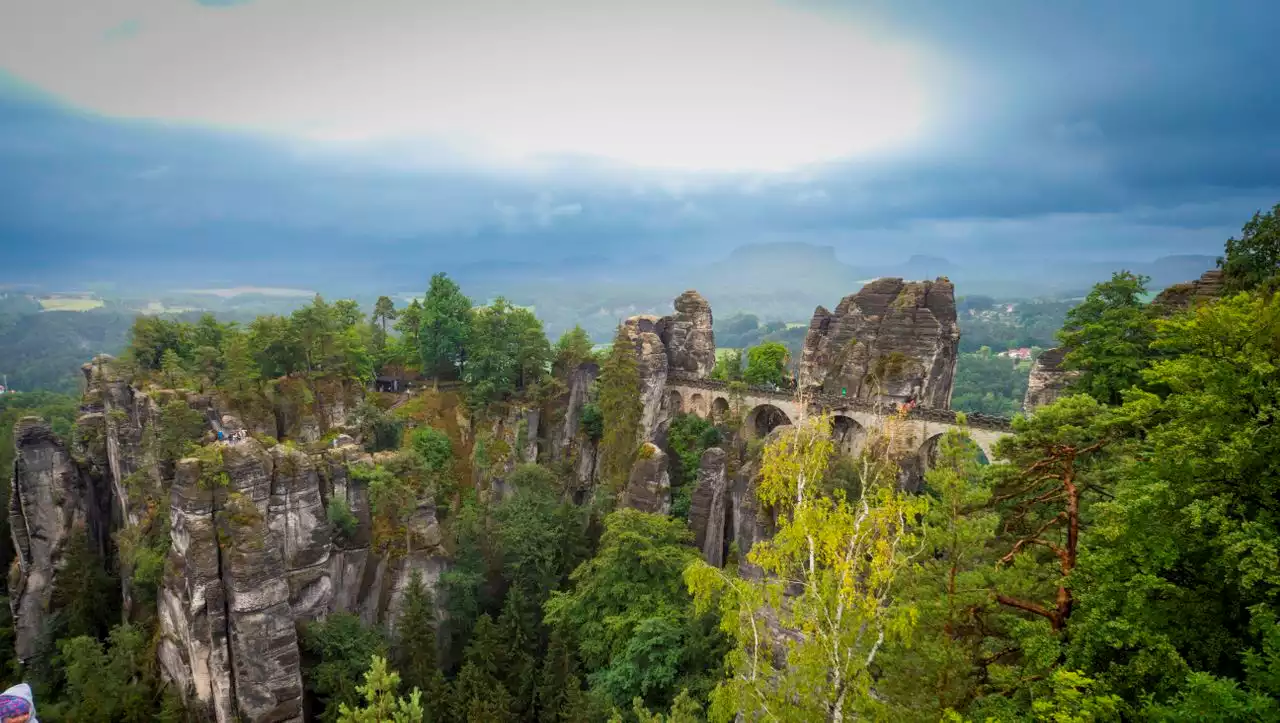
(252, 554)
(651, 355)
(649, 486)
(1048, 380)
(894, 340)
(682, 343)
(708, 507)
(1185, 295)
(688, 337)
(52, 501)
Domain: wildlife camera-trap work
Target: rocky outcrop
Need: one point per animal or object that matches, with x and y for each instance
(225, 609)
(1183, 296)
(892, 341)
(567, 439)
(252, 552)
(708, 508)
(1048, 380)
(52, 502)
(649, 486)
(687, 336)
(651, 358)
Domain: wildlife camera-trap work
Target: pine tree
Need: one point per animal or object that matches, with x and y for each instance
(381, 703)
(478, 693)
(414, 650)
(620, 408)
(173, 370)
(560, 696)
(518, 628)
(444, 327)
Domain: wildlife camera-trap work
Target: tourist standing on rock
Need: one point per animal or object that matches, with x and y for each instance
(17, 705)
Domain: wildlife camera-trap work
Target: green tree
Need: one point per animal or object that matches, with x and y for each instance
(520, 631)
(1108, 336)
(380, 702)
(409, 324)
(560, 696)
(1253, 260)
(1177, 589)
(573, 349)
(119, 683)
(728, 366)
(479, 695)
(542, 536)
(275, 345)
(941, 668)
(990, 384)
(445, 328)
(179, 429)
(414, 649)
(384, 310)
(630, 614)
(433, 448)
(393, 499)
(173, 370)
(509, 352)
(469, 585)
(620, 410)
(1057, 469)
(844, 556)
(336, 653)
(688, 437)
(240, 373)
(767, 365)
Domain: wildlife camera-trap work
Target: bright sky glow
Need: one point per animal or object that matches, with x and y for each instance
(689, 84)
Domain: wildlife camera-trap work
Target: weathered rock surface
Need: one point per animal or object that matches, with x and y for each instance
(1048, 380)
(252, 553)
(563, 435)
(1183, 296)
(709, 504)
(649, 486)
(52, 501)
(894, 340)
(651, 355)
(688, 337)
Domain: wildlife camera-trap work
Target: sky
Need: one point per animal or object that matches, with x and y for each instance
(386, 138)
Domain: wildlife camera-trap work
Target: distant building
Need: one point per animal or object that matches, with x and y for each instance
(1021, 354)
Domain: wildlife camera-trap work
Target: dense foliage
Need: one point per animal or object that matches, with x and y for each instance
(987, 383)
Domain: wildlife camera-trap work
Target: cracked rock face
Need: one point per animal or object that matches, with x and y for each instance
(688, 337)
(1048, 380)
(708, 507)
(649, 487)
(651, 356)
(51, 501)
(252, 554)
(892, 341)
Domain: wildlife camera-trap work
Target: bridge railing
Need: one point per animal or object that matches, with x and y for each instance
(836, 402)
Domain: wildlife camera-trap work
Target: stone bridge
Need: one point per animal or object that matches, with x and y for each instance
(764, 409)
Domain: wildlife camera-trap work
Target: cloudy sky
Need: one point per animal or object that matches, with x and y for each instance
(143, 133)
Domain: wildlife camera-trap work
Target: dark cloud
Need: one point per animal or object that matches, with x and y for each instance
(1098, 129)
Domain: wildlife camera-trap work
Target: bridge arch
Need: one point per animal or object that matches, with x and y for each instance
(698, 405)
(764, 418)
(932, 447)
(675, 402)
(719, 410)
(848, 434)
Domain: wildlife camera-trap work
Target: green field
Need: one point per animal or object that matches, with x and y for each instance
(69, 304)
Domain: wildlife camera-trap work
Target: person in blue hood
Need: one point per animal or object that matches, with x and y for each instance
(17, 705)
